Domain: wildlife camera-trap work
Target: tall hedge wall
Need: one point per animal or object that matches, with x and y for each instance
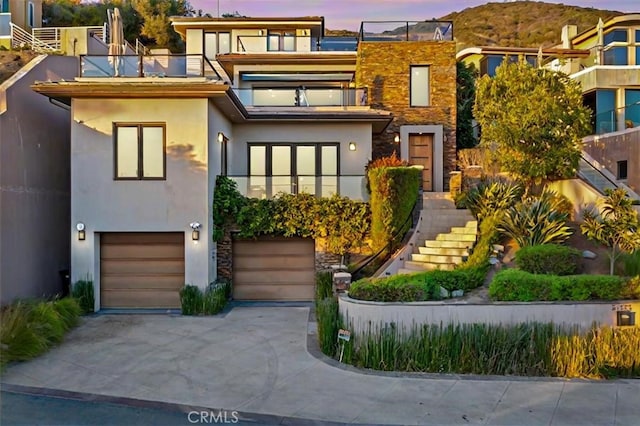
(394, 191)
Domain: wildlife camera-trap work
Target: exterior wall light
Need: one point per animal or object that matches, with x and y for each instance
(81, 231)
(221, 137)
(396, 138)
(626, 318)
(352, 146)
(195, 230)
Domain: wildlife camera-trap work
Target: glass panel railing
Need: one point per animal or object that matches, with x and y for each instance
(147, 66)
(614, 120)
(338, 44)
(274, 43)
(353, 187)
(303, 97)
(406, 30)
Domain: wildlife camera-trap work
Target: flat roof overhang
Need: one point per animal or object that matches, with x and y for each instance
(230, 60)
(553, 52)
(315, 23)
(220, 94)
(620, 20)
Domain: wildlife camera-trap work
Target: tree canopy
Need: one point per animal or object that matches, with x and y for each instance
(534, 119)
(147, 20)
(465, 94)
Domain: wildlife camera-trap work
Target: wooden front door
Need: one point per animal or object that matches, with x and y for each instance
(421, 154)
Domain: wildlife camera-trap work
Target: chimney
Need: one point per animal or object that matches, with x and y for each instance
(568, 33)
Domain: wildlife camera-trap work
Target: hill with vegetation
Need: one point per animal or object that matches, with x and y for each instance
(520, 23)
(515, 23)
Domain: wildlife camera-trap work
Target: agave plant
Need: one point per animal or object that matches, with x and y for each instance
(536, 220)
(491, 196)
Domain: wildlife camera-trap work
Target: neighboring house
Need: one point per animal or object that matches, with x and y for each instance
(269, 102)
(605, 59)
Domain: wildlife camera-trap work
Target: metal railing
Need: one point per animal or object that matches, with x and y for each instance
(405, 31)
(302, 96)
(609, 121)
(264, 187)
(147, 66)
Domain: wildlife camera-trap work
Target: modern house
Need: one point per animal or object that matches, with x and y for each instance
(270, 102)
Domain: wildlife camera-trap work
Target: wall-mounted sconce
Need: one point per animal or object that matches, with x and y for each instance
(81, 231)
(352, 146)
(222, 137)
(396, 138)
(626, 318)
(195, 230)
(260, 32)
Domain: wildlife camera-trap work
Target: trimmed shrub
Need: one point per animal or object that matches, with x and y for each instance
(517, 285)
(416, 287)
(394, 191)
(551, 259)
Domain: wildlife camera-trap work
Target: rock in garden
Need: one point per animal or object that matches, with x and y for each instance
(589, 254)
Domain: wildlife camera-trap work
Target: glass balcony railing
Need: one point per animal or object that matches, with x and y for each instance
(302, 97)
(405, 30)
(353, 187)
(617, 119)
(147, 66)
(294, 43)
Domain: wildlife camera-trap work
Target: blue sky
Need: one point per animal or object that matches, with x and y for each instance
(347, 14)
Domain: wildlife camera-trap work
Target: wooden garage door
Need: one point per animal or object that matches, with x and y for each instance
(272, 268)
(421, 153)
(141, 270)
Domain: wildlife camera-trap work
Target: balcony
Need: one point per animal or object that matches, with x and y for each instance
(406, 31)
(147, 66)
(294, 44)
(353, 187)
(302, 97)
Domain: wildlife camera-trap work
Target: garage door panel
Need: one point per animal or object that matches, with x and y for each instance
(135, 266)
(275, 247)
(274, 268)
(142, 251)
(141, 282)
(273, 292)
(141, 270)
(140, 298)
(273, 262)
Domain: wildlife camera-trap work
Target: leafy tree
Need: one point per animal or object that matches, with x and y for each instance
(535, 118)
(617, 226)
(466, 94)
(156, 27)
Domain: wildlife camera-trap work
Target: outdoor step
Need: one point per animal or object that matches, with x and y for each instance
(448, 244)
(456, 237)
(463, 230)
(424, 266)
(444, 251)
(436, 258)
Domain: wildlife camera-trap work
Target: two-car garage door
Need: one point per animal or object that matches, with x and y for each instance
(141, 269)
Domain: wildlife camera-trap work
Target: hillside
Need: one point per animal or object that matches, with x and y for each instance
(520, 23)
(515, 23)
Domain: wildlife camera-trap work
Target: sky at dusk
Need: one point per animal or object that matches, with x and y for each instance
(347, 14)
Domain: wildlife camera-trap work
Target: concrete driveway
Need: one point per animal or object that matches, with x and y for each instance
(255, 360)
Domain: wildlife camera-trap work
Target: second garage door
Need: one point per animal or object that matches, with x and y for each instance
(141, 269)
(273, 268)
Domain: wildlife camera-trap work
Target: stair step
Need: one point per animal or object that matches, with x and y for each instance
(436, 258)
(424, 266)
(448, 244)
(463, 230)
(456, 237)
(444, 251)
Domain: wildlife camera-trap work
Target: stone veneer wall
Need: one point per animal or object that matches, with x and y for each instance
(384, 68)
(611, 148)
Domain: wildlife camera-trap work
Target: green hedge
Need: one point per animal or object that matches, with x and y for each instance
(416, 287)
(552, 259)
(525, 350)
(393, 194)
(517, 285)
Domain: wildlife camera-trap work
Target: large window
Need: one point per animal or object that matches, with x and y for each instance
(632, 107)
(284, 41)
(139, 151)
(216, 44)
(616, 51)
(293, 168)
(419, 85)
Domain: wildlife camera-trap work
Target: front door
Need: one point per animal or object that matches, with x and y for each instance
(421, 154)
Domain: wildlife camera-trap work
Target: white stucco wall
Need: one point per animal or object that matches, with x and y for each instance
(362, 316)
(107, 205)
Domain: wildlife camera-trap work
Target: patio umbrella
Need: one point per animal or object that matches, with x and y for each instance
(540, 57)
(116, 41)
(600, 45)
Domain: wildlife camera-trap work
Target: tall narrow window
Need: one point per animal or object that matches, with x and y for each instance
(139, 151)
(622, 170)
(216, 44)
(420, 85)
(31, 15)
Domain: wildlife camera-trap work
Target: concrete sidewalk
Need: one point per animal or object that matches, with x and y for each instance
(255, 360)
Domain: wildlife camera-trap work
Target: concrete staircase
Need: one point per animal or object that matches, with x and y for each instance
(446, 236)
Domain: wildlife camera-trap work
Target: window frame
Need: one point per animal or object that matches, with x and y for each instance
(411, 103)
(217, 43)
(140, 131)
(622, 172)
